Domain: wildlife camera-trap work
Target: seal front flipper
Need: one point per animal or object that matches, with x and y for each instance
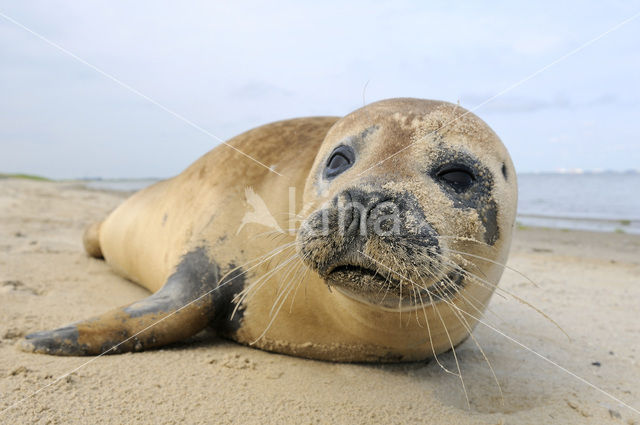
(189, 301)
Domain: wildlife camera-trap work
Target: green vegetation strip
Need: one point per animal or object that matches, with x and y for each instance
(24, 176)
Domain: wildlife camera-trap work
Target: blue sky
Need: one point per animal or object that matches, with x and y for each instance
(230, 67)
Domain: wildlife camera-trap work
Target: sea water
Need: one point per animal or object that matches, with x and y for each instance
(591, 201)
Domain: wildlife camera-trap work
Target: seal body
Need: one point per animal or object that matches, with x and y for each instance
(373, 237)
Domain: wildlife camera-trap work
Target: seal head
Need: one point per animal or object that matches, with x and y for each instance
(395, 188)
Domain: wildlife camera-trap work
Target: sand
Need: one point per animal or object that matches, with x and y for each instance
(588, 282)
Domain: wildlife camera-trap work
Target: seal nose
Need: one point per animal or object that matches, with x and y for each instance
(361, 212)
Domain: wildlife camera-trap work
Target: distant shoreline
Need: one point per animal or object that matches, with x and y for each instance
(629, 226)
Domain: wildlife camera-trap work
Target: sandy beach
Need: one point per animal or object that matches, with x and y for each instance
(589, 283)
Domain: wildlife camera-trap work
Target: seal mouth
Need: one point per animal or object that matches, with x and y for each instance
(360, 275)
(351, 271)
(368, 284)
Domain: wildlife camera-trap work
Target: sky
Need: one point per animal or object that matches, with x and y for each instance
(199, 72)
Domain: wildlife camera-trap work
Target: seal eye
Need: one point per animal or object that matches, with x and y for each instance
(458, 178)
(340, 159)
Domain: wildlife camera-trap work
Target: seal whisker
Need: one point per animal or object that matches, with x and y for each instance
(386, 284)
(456, 267)
(273, 233)
(281, 296)
(453, 350)
(274, 316)
(492, 286)
(522, 345)
(446, 330)
(255, 286)
(261, 259)
(415, 298)
(500, 290)
(471, 300)
(242, 296)
(293, 266)
(479, 257)
(433, 350)
(304, 270)
(467, 297)
(467, 239)
(466, 262)
(455, 355)
(467, 326)
(395, 260)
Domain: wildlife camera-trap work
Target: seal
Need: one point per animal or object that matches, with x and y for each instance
(375, 237)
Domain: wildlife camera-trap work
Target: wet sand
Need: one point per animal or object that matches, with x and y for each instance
(588, 282)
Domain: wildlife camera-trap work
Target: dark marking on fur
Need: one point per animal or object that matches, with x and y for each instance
(196, 276)
(504, 170)
(390, 225)
(356, 142)
(479, 196)
(186, 304)
(357, 217)
(231, 286)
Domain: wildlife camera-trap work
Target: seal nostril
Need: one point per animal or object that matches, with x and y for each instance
(351, 221)
(360, 212)
(352, 212)
(348, 214)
